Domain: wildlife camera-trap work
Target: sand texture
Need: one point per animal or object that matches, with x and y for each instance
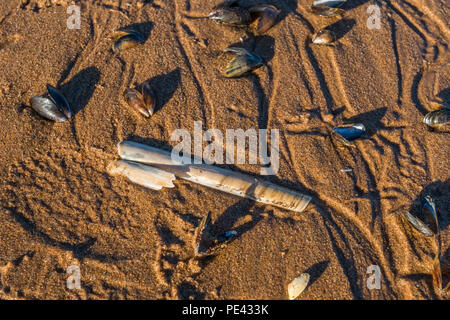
(59, 206)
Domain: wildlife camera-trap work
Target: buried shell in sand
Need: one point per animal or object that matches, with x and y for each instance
(231, 13)
(327, 8)
(298, 285)
(126, 39)
(55, 108)
(207, 245)
(142, 99)
(211, 176)
(244, 61)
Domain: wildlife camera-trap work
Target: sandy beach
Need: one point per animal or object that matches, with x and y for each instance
(59, 207)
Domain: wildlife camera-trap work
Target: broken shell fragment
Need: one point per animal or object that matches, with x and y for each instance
(417, 224)
(217, 178)
(46, 108)
(126, 39)
(324, 36)
(268, 15)
(244, 62)
(327, 8)
(149, 177)
(298, 285)
(346, 134)
(438, 119)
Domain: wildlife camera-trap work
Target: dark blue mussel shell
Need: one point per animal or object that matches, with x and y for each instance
(351, 132)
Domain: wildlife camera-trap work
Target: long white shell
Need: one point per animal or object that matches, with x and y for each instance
(217, 178)
(297, 286)
(143, 175)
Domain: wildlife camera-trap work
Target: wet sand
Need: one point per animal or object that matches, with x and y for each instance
(59, 207)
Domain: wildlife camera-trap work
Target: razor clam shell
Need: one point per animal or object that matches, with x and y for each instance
(244, 62)
(136, 101)
(298, 285)
(149, 177)
(323, 36)
(438, 118)
(417, 224)
(217, 178)
(268, 15)
(47, 108)
(60, 101)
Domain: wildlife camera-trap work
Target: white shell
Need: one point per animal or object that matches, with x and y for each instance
(217, 178)
(143, 175)
(297, 286)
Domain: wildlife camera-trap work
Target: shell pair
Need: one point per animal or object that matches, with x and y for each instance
(244, 61)
(141, 99)
(328, 8)
(231, 13)
(126, 39)
(55, 108)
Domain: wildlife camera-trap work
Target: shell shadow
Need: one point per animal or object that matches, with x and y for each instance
(349, 5)
(342, 27)
(144, 28)
(317, 270)
(440, 193)
(371, 120)
(445, 95)
(80, 88)
(165, 86)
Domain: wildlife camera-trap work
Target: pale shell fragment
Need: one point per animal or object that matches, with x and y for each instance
(298, 285)
(149, 177)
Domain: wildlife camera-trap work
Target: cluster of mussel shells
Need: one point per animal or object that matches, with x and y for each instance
(230, 12)
(428, 225)
(326, 8)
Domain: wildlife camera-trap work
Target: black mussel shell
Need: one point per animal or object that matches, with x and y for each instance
(47, 108)
(438, 118)
(327, 8)
(348, 133)
(127, 39)
(267, 14)
(60, 101)
(244, 62)
(149, 97)
(229, 12)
